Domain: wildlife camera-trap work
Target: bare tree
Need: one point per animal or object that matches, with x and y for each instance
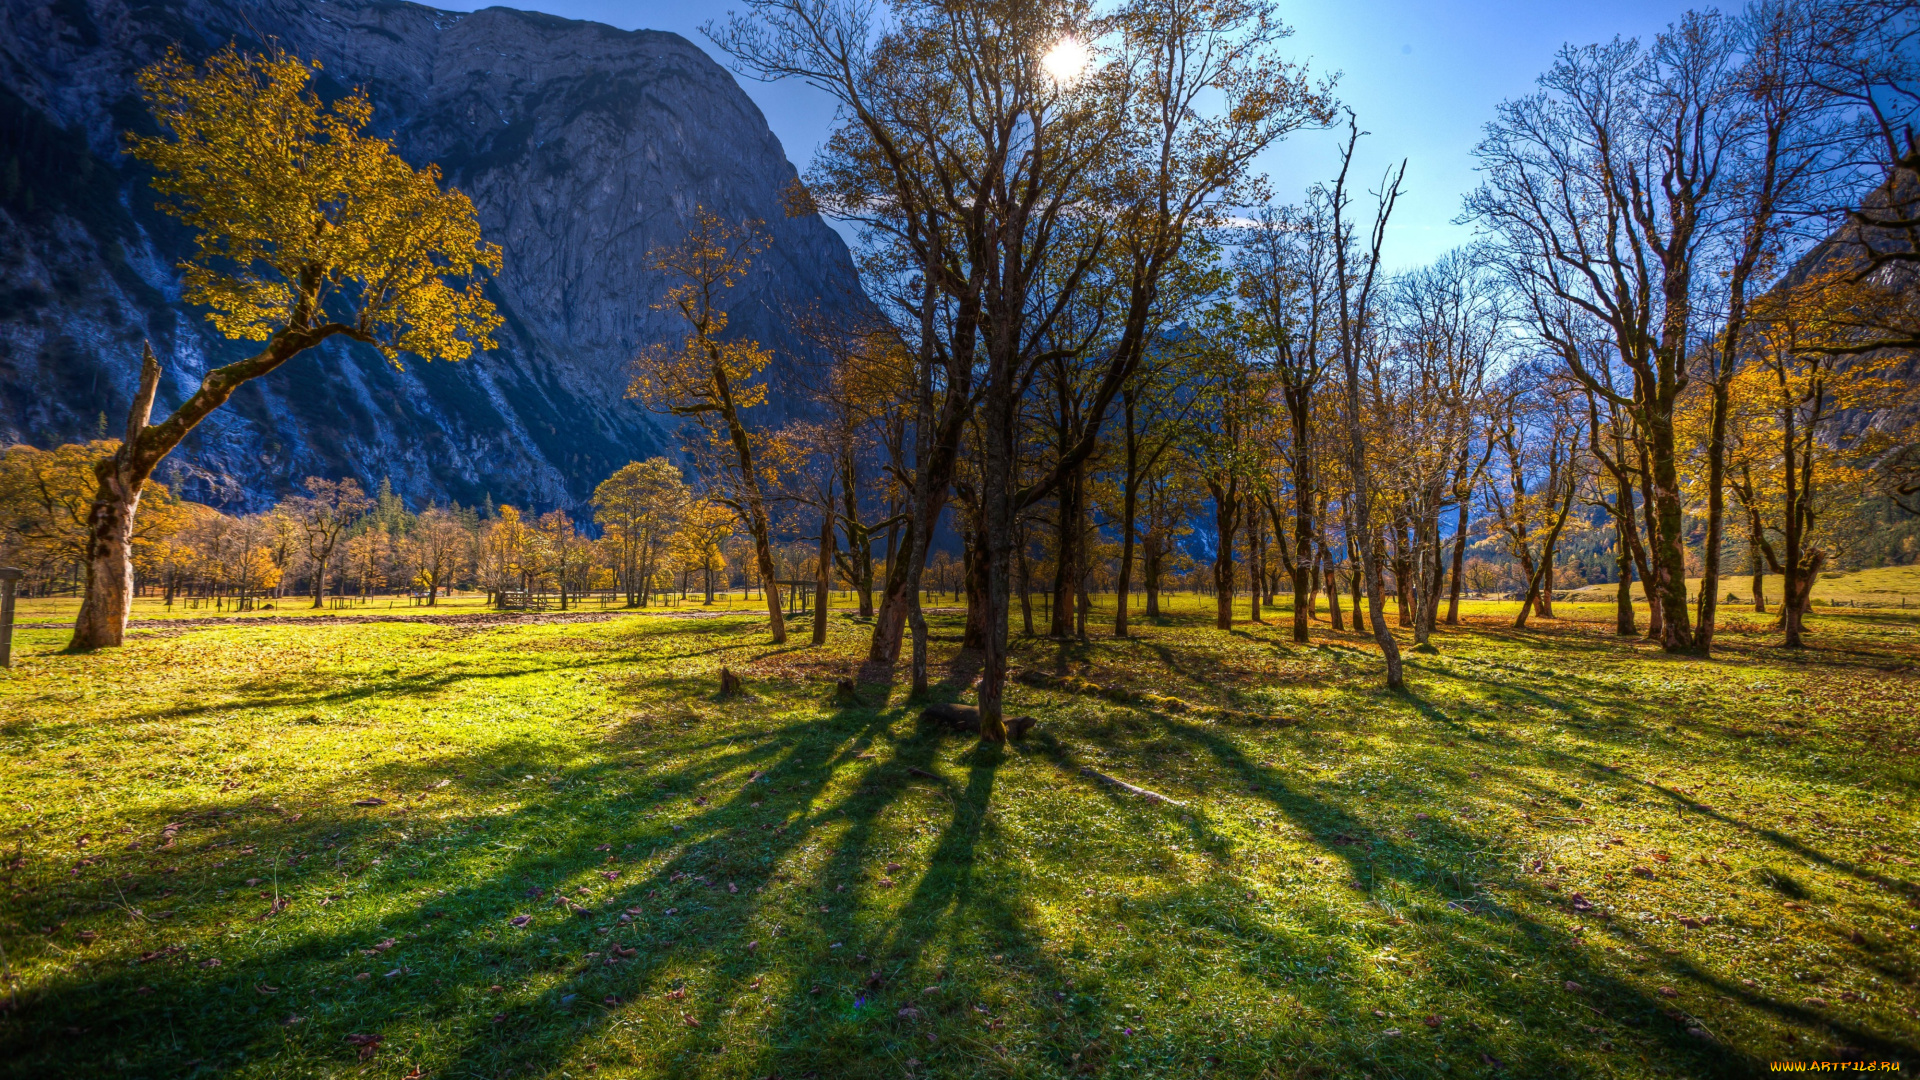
(1355, 273)
(329, 508)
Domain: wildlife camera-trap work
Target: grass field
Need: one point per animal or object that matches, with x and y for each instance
(62, 609)
(1886, 586)
(542, 848)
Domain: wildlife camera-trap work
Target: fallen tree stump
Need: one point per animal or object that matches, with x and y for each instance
(966, 718)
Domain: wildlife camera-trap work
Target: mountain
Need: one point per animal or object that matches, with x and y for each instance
(582, 146)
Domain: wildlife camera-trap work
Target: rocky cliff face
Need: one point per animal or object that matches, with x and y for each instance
(582, 146)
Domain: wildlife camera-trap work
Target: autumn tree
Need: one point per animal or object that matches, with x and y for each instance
(1009, 147)
(711, 380)
(1798, 332)
(1445, 330)
(1221, 442)
(567, 553)
(1599, 193)
(639, 507)
(46, 497)
(1283, 271)
(1356, 273)
(700, 544)
(1537, 426)
(328, 509)
(307, 229)
(440, 540)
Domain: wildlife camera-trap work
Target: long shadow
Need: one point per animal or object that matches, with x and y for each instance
(1333, 827)
(37, 1034)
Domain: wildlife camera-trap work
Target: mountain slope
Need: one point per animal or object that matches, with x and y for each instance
(582, 146)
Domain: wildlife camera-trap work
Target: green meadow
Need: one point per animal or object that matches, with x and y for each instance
(542, 846)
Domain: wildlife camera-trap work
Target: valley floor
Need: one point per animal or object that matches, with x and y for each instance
(542, 847)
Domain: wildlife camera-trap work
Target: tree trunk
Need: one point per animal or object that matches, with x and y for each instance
(1353, 574)
(1084, 604)
(1798, 586)
(1125, 585)
(1545, 605)
(1623, 560)
(973, 579)
(997, 526)
(1152, 571)
(118, 481)
(1334, 617)
(1667, 544)
(825, 580)
(1256, 566)
(1623, 566)
(1459, 566)
(1066, 570)
(108, 600)
(1223, 520)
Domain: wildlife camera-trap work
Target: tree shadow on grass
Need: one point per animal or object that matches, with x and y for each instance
(1474, 927)
(458, 885)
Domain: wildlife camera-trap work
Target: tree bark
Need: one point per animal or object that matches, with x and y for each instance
(1459, 565)
(1334, 618)
(1129, 503)
(1669, 553)
(108, 595)
(1152, 572)
(1256, 567)
(102, 619)
(1225, 510)
(825, 580)
(1066, 563)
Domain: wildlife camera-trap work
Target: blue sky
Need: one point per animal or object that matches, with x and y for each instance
(1423, 77)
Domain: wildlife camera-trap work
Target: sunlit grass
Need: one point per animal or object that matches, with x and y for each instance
(1559, 854)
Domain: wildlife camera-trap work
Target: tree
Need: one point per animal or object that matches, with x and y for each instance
(307, 229)
(1354, 298)
(329, 508)
(1599, 195)
(639, 507)
(567, 553)
(712, 382)
(1796, 330)
(1221, 443)
(440, 539)
(700, 542)
(1539, 434)
(1168, 503)
(510, 554)
(1445, 327)
(963, 143)
(45, 498)
(1153, 410)
(1284, 266)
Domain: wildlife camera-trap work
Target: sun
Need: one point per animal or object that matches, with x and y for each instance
(1066, 60)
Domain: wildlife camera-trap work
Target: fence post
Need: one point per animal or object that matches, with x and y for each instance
(8, 576)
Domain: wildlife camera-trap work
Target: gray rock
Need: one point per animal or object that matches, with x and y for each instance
(583, 148)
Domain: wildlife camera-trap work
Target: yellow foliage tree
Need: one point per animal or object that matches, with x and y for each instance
(711, 381)
(700, 544)
(639, 507)
(307, 229)
(45, 497)
(1801, 335)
